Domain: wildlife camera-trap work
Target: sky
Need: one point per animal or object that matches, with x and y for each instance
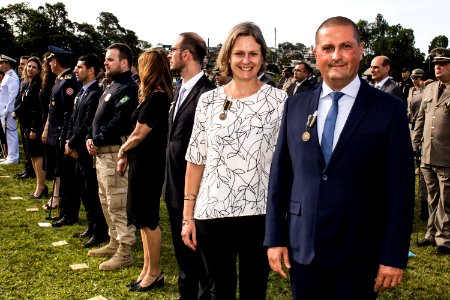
(295, 21)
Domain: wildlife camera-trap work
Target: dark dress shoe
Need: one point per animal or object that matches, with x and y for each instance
(26, 176)
(425, 243)
(87, 233)
(56, 218)
(159, 282)
(96, 240)
(441, 250)
(21, 173)
(63, 222)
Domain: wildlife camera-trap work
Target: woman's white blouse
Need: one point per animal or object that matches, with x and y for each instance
(237, 152)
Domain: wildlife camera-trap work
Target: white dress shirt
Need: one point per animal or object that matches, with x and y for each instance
(345, 105)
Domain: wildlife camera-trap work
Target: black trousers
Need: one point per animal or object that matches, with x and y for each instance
(225, 241)
(68, 190)
(311, 282)
(87, 184)
(193, 282)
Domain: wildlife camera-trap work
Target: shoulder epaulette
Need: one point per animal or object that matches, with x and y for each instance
(68, 76)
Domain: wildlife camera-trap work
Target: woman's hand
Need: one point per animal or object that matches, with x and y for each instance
(122, 164)
(188, 233)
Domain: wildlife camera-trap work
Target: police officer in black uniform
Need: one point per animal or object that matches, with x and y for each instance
(60, 110)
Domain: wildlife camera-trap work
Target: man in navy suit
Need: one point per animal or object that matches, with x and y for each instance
(85, 176)
(340, 208)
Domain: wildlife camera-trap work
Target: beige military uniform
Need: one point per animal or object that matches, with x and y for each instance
(432, 132)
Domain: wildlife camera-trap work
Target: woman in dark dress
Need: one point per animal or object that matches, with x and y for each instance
(144, 151)
(48, 80)
(30, 115)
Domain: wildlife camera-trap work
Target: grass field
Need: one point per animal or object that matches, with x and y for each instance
(31, 268)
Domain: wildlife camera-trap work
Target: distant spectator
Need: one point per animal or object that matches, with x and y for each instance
(405, 84)
(381, 65)
(301, 79)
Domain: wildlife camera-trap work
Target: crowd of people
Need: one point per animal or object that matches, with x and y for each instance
(256, 175)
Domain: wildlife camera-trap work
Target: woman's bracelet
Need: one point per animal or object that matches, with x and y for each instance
(190, 197)
(187, 221)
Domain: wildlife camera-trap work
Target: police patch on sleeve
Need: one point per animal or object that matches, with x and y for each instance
(124, 99)
(69, 91)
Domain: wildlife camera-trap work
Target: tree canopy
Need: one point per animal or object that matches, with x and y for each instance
(28, 31)
(393, 41)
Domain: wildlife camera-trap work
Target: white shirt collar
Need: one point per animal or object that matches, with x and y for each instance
(351, 89)
(188, 85)
(382, 82)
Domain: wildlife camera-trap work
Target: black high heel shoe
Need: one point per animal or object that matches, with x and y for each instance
(159, 282)
(43, 193)
(133, 283)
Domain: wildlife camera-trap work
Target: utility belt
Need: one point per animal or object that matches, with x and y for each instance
(113, 148)
(108, 149)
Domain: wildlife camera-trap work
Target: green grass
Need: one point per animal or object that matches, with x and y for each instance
(31, 268)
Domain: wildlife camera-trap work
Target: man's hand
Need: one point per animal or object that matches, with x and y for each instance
(387, 278)
(275, 256)
(91, 147)
(122, 166)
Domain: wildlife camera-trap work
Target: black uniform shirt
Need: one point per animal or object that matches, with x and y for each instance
(60, 108)
(113, 117)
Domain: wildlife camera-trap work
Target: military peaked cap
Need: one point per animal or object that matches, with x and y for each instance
(3, 57)
(440, 55)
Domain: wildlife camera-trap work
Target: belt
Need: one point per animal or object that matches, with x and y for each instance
(108, 149)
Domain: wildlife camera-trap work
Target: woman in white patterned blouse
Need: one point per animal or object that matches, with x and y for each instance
(228, 164)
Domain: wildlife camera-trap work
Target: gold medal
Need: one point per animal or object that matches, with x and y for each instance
(306, 136)
(222, 116)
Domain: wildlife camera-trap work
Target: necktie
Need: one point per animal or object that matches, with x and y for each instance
(328, 129)
(441, 90)
(81, 93)
(78, 97)
(296, 88)
(179, 100)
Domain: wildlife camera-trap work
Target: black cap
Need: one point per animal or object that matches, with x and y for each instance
(405, 70)
(58, 53)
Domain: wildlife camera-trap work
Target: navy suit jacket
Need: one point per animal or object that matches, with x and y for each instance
(81, 120)
(358, 209)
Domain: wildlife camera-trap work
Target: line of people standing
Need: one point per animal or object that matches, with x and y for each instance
(319, 194)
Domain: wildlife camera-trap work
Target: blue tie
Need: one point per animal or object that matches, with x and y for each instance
(328, 129)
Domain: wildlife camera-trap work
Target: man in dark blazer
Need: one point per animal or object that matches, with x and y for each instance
(380, 66)
(341, 221)
(85, 177)
(186, 56)
(301, 79)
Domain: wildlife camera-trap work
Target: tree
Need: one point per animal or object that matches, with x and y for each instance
(394, 41)
(439, 41)
(24, 30)
(6, 35)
